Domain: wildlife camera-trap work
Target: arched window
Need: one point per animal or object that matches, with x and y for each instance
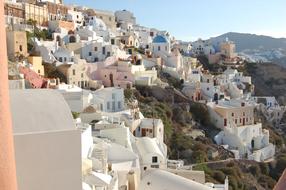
(72, 39)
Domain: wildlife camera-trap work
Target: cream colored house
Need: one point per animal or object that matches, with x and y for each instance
(16, 43)
(36, 13)
(233, 112)
(240, 133)
(37, 66)
(76, 73)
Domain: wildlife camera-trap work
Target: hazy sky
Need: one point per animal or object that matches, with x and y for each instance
(190, 19)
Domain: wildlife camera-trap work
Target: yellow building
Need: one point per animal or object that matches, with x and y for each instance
(37, 13)
(36, 61)
(16, 44)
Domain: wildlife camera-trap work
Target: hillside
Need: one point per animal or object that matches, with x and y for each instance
(269, 79)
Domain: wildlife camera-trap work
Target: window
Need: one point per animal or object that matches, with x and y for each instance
(154, 159)
(95, 48)
(113, 106)
(39, 71)
(60, 59)
(89, 53)
(225, 122)
(232, 114)
(110, 19)
(113, 96)
(125, 77)
(112, 41)
(103, 50)
(108, 105)
(20, 48)
(159, 48)
(73, 71)
(119, 105)
(166, 48)
(81, 75)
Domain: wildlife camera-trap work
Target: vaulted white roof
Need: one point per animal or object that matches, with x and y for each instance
(39, 110)
(146, 145)
(159, 179)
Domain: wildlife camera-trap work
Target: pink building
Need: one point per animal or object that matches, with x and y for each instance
(33, 78)
(112, 73)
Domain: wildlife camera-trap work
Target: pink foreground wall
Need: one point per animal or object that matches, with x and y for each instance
(8, 179)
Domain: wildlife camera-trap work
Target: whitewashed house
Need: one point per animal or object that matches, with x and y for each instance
(76, 17)
(64, 55)
(151, 154)
(77, 98)
(109, 99)
(211, 90)
(240, 132)
(95, 51)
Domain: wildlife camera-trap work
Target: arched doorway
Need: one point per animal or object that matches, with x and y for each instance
(111, 79)
(72, 39)
(252, 143)
(215, 97)
(58, 39)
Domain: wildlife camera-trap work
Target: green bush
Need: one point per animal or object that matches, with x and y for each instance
(255, 170)
(266, 181)
(199, 156)
(219, 176)
(75, 115)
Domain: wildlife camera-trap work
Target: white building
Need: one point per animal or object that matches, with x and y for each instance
(151, 153)
(211, 90)
(202, 47)
(241, 133)
(270, 108)
(63, 55)
(45, 135)
(161, 45)
(95, 51)
(150, 127)
(76, 17)
(109, 99)
(159, 179)
(77, 98)
(125, 16)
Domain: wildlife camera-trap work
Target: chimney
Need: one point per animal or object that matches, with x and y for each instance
(8, 180)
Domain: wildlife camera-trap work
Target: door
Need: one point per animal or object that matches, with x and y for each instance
(143, 132)
(111, 79)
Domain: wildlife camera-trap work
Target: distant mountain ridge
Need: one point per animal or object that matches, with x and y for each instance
(246, 41)
(256, 48)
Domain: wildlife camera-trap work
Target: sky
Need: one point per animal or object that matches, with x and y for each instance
(192, 19)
